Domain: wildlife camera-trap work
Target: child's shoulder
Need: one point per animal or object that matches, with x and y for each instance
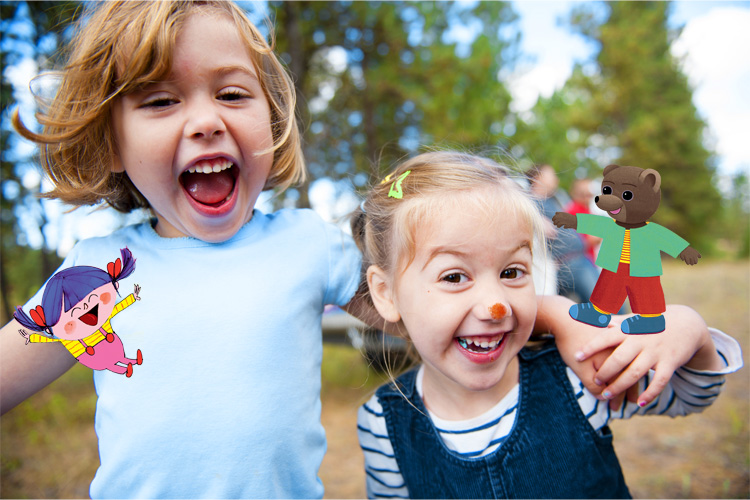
(126, 236)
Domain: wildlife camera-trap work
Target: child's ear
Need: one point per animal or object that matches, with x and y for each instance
(382, 294)
(117, 166)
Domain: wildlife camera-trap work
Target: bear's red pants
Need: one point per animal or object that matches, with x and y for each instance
(645, 293)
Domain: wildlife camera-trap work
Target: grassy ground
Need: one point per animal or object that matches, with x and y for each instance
(48, 445)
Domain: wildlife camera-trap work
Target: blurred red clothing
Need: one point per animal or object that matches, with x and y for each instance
(589, 242)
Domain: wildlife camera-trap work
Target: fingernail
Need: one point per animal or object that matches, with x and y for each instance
(580, 356)
(598, 382)
(642, 403)
(607, 395)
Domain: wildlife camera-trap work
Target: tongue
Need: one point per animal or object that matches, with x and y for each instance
(209, 189)
(89, 318)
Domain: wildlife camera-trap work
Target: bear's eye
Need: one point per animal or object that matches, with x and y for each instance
(606, 190)
(627, 195)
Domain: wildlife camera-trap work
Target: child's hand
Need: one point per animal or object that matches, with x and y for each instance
(685, 342)
(137, 290)
(24, 334)
(571, 337)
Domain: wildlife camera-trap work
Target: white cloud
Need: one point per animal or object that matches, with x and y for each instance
(527, 85)
(713, 48)
(550, 48)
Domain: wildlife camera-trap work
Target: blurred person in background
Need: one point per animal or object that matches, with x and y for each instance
(580, 203)
(576, 273)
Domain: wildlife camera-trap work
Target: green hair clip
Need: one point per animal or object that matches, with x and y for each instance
(396, 191)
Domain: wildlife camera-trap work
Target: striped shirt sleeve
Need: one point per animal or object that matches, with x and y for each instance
(383, 477)
(35, 338)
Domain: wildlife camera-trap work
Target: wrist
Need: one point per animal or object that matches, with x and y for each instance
(706, 358)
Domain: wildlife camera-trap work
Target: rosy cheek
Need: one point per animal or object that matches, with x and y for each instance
(70, 327)
(105, 298)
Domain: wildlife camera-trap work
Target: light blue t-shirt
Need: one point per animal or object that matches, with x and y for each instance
(227, 401)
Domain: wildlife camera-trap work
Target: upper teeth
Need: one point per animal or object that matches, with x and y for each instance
(484, 343)
(210, 167)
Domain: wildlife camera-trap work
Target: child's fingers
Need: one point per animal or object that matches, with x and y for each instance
(620, 362)
(659, 381)
(628, 378)
(609, 337)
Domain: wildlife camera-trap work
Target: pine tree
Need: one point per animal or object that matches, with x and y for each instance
(642, 101)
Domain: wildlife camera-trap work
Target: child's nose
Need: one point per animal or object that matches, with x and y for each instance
(492, 308)
(204, 122)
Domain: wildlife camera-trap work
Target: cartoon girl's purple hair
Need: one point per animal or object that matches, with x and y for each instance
(70, 286)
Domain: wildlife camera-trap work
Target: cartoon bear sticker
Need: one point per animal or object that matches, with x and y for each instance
(630, 254)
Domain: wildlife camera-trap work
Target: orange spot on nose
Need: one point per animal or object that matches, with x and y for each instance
(497, 311)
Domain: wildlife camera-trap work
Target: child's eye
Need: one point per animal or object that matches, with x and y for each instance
(232, 95)
(454, 278)
(159, 102)
(512, 273)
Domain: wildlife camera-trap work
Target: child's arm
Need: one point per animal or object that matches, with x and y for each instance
(570, 338)
(606, 355)
(689, 390)
(25, 369)
(685, 342)
(382, 473)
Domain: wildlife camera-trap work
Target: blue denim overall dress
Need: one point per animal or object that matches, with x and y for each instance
(551, 452)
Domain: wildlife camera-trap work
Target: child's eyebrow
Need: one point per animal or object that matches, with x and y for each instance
(230, 70)
(440, 250)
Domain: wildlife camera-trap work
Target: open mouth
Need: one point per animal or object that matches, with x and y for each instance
(210, 183)
(615, 212)
(91, 317)
(480, 345)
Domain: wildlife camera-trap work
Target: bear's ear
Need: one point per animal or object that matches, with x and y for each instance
(652, 178)
(609, 168)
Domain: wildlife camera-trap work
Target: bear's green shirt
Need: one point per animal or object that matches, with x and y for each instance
(646, 244)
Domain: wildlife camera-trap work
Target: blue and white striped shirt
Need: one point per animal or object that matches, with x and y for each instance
(689, 391)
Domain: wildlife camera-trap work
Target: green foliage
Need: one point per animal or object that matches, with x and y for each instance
(642, 101)
(734, 226)
(631, 106)
(48, 20)
(404, 85)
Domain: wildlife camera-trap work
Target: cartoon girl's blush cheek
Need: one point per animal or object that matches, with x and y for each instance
(105, 298)
(70, 327)
(498, 311)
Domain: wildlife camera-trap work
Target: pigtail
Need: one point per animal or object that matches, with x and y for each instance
(122, 267)
(36, 321)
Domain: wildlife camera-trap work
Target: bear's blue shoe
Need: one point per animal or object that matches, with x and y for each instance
(638, 325)
(585, 313)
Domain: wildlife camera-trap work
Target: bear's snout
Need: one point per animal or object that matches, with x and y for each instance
(608, 202)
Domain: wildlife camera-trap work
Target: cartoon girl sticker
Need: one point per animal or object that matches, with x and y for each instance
(77, 306)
